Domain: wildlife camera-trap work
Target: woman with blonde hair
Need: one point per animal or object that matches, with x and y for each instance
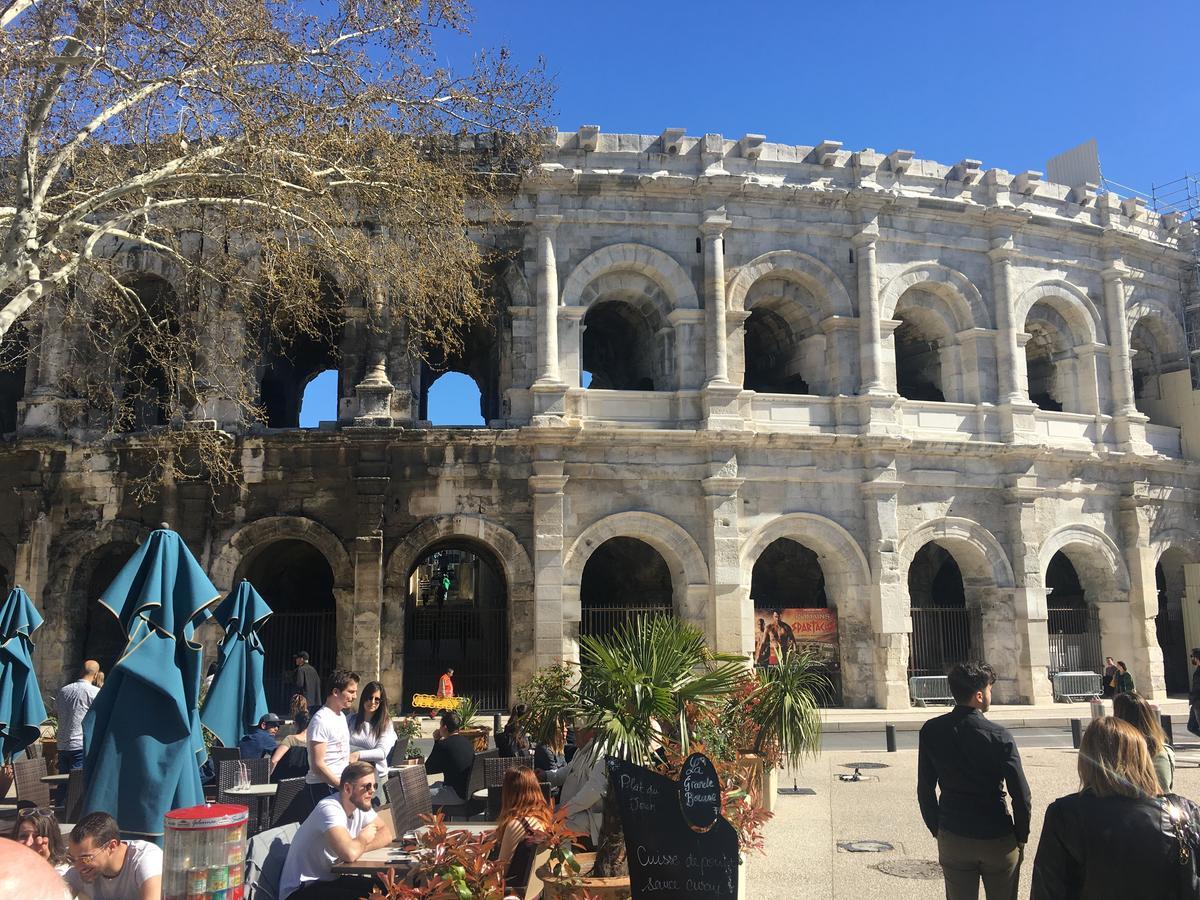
(1118, 837)
(524, 816)
(1133, 708)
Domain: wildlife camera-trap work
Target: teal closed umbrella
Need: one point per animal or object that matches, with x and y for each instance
(142, 740)
(236, 700)
(21, 709)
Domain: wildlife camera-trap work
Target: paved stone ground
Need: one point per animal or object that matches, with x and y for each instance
(802, 861)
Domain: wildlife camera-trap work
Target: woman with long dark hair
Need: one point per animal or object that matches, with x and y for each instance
(38, 830)
(524, 817)
(1119, 836)
(371, 733)
(1132, 707)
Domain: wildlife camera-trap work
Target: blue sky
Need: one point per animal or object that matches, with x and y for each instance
(1011, 84)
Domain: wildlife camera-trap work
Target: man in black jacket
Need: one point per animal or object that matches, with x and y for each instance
(307, 683)
(1193, 723)
(970, 759)
(453, 756)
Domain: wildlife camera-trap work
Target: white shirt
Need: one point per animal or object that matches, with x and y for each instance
(309, 856)
(328, 728)
(370, 748)
(582, 794)
(71, 705)
(143, 860)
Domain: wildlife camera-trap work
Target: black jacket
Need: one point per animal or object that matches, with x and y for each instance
(970, 759)
(453, 757)
(1111, 848)
(1194, 693)
(308, 683)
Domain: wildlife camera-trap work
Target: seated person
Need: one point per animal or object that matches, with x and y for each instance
(104, 867)
(524, 817)
(583, 788)
(513, 740)
(261, 741)
(38, 830)
(452, 756)
(342, 826)
(25, 874)
(284, 763)
(549, 761)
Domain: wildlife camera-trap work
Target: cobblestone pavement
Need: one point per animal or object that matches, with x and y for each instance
(803, 860)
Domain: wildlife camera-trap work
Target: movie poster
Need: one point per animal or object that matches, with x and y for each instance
(778, 632)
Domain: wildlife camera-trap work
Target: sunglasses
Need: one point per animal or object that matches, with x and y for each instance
(86, 858)
(34, 811)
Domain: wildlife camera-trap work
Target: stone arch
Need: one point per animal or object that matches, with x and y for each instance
(515, 565)
(659, 267)
(820, 280)
(261, 532)
(959, 295)
(1071, 302)
(1184, 540)
(689, 571)
(976, 549)
(1097, 559)
(1163, 322)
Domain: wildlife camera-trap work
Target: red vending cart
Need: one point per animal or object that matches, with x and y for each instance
(204, 852)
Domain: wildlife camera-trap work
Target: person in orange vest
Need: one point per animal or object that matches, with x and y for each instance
(445, 688)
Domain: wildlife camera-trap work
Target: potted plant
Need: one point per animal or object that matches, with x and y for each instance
(468, 709)
(408, 730)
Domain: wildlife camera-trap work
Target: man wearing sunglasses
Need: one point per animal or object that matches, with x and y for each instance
(343, 826)
(104, 867)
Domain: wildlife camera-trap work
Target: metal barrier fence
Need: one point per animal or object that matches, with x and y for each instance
(924, 689)
(1076, 685)
(941, 637)
(1074, 640)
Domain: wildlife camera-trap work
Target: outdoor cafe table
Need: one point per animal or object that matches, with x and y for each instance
(262, 794)
(393, 857)
(55, 779)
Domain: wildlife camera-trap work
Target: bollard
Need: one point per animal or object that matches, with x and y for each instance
(1076, 732)
(890, 734)
(1167, 728)
(495, 723)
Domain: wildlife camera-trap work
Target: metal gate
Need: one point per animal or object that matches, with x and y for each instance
(472, 641)
(284, 635)
(600, 621)
(941, 638)
(1074, 639)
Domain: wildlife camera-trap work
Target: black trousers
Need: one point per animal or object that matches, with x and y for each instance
(309, 798)
(344, 887)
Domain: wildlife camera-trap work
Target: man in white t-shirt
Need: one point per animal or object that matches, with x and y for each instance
(104, 867)
(328, 737)
(343, 826)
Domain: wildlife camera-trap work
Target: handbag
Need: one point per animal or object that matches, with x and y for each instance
(1183, 818)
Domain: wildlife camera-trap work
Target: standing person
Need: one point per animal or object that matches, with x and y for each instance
(1193, 723)
(104, 867)
(371, 731)
(1132, 707)
(1116, 839)
(328, 738)
(1124, 679)
(70, 706)
(306, 682)
(970, 759)
(523, 819)
(445, 688)
(343, 826)
(1110, 677)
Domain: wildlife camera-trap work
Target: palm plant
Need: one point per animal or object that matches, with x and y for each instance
(635, 687)
(785, 707)
(468, 709)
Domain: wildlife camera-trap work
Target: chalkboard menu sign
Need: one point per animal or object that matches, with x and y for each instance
(677, 843)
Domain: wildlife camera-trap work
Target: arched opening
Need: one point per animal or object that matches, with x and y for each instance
(145, 400)
(785, 351)
(1155, 360)
(1169, 624)
(918, 357)
(1073, 622)
(472, 369)
(454, 399)
(623, 578)
(101, 637)
(1052, 365)
(293, 356)
(296, 580)
(319, 402)
(456, 616)
(945, 630)
(13, 354)
(621, 347)
(791, 609)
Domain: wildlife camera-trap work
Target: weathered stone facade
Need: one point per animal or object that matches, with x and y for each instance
(895, 317)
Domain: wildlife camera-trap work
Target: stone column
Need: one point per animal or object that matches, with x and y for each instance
(1031, 679)
(688, 325)
(891, 619)
(368, 605)
(728, 624)
(1008, 358)
(552, 608)
(1144, 655)
(547, 300)
(1120, 367)
(374, 392)
(869, 315)
(712, 232)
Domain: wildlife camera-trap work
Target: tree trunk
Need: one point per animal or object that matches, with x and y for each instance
(610, 853)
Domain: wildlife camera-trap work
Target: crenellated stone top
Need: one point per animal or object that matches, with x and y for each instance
(750, 165)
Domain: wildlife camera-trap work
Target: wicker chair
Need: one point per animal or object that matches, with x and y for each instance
(471, 805)
(76, 786)
(288, 805)
(413, 799)
(494, 769)
(224, 754)
(228, 771)
(28, 774)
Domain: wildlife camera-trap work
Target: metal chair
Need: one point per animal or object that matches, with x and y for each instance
(282, 810)
(494, 770)
(27, 775)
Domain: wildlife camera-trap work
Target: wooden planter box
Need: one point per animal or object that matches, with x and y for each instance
(611, 888)
(763, 783)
